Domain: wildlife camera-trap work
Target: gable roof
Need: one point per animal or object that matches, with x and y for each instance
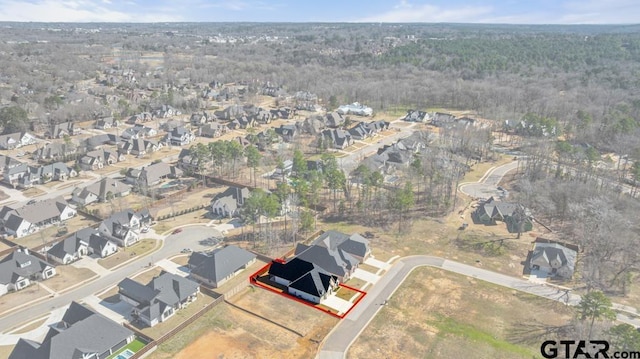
(334, 261)
(101, 188)
(292, 269)
(85, 332)
(155, 172)
(314, 282)
(220, 263)
(40, 211)
(167, 288)
(354, 244)
(20, 264)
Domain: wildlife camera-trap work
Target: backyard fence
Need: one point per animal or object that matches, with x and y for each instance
(153, 344)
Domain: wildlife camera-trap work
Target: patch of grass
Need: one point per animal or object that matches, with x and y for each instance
(368, 268)
(139, 249)
(68, 276)
(346, 293)
(181, 315)
(134, 346)
(30, 327)
(356, 283)
(447, 325)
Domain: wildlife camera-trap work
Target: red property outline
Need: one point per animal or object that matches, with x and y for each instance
(253, 280)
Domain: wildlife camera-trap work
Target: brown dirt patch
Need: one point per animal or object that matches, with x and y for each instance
(5, 351)
(15, 299)
(68, 276)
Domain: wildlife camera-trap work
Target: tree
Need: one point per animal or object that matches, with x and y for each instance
(253, 160)
(13, 119)
(624, 337)
(299, 164)
(593, 306)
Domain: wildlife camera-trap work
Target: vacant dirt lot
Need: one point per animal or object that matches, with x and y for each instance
(227, 332)
(437, 314)
(68, 276)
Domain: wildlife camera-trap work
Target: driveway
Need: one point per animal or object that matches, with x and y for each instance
(365, 276)
(339, 304)
(118, 312)
(173, 268)
(92, 264)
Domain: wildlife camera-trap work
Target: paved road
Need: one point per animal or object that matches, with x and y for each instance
(345, 333)
(191, 237)
(487, 185)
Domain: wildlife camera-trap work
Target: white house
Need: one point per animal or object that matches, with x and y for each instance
(30, 218)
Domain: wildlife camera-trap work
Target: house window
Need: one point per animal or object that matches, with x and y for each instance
(25, 264)
(48, 273)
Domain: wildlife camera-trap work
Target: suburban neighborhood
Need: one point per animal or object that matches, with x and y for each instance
(170, 193)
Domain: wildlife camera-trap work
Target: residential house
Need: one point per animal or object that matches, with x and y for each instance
(552, 259)
(355, 109)
(159, 299)
(229, 202)
(63, 129)
(263, 116)
(30, 218)
(7, 163)
(334, 260)
(312, 125)
(140, 118)
(122, 227)
(287, 132)
(97, 159)
(337, 138)
(165, 111)
(416, 116)
(153, 174)
(377, 126)
(139, 147)
(98, 141)
(303, 279)
(242, 122)
(106, 123)
(354, 244)
(361, 131)
(101, 191)
(19, 269)
(515, 215)
(283, 113)
(180, 136)
(54, 152)
(218, 266)
(212, 130)
(334, 120)
(284, 169)
(199, 119)
(16, 140)
(440, 119)
(81, 334)
(86, 241)
(138, 131)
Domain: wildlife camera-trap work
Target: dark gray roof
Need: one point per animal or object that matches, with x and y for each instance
(20, 264)
(354, 244)
(165, 289)
(89, 333)
(102, 187)
(314, 282)
(292, 269)
(220, 263)
(334, 261)
(42, 210)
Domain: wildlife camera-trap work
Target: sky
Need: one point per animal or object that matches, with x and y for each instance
(430, 11)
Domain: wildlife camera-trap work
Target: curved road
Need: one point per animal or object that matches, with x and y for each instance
(337, 343)
(192, 237)
(487, 185)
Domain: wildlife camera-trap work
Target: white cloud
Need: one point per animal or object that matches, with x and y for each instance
(408, 12)
(601, 12)
(75, 11)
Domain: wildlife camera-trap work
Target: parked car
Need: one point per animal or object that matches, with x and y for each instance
(186, 250)
(144, 230)
(177, 231)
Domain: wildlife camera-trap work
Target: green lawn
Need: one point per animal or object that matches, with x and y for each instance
(134, 346)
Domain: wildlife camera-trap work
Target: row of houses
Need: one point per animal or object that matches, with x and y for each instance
(25, 176)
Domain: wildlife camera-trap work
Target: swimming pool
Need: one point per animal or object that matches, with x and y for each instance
(125, 354)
